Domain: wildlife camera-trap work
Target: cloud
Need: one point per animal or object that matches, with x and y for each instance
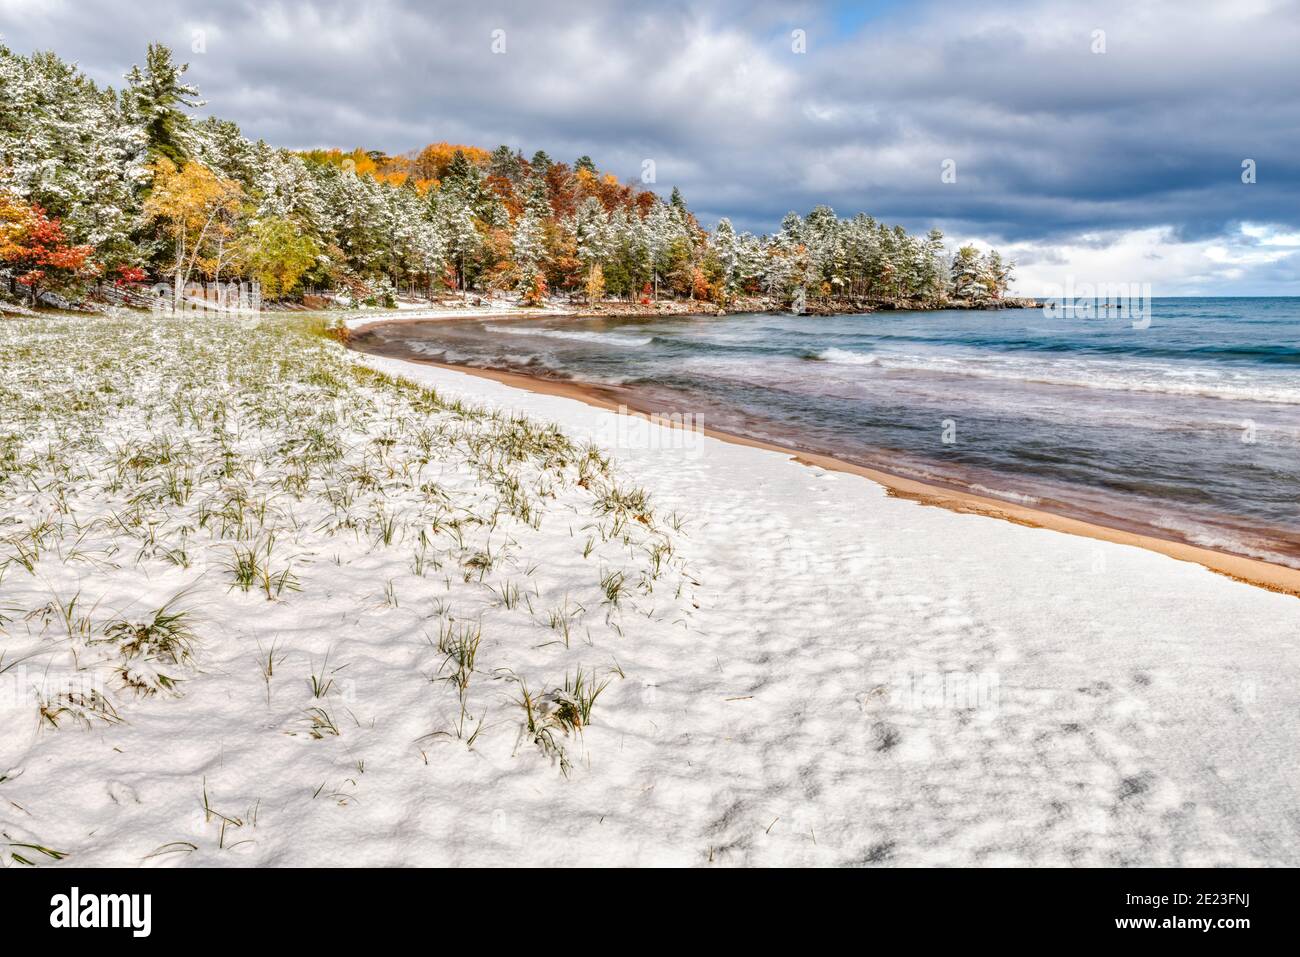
(1256, 259)
(1060, 151)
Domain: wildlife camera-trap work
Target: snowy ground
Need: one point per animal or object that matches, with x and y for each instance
(413, 310)
(797, 669)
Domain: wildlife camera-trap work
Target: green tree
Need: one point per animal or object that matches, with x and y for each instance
(152, 98)
(277, 254)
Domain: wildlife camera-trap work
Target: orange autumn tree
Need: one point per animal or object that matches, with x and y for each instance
(391, 170)
(432, 162)
(200, 211)
(35, 250)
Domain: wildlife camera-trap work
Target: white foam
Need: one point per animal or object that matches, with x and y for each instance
(1129, 376)
(603, 338)
(1016, 497)
(845, 357)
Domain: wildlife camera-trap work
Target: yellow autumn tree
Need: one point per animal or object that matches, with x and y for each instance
(595, 284)
(199, 211)
(15, 219)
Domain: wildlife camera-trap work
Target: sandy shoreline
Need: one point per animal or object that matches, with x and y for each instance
(863, 681)
(1276, 578)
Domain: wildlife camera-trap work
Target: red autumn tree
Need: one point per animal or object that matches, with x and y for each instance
(35, 250)
(129, 275)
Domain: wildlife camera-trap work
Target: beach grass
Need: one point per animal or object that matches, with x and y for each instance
(162, 476)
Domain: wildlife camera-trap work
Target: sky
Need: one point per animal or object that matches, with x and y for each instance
(1094, 142)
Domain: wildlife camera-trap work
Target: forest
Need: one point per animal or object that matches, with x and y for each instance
(109, 189)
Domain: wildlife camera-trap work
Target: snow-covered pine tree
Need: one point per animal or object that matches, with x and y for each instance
(153, 98)
(727, 248)
(968, 275)
(528, 247)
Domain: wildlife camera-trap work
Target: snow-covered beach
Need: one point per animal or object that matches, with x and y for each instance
(874, 681)
(793, 666)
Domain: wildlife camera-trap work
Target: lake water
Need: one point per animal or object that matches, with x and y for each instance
(1188, 429)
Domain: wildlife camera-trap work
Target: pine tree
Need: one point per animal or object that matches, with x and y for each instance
(529, 241)
(727, 249)
(968, 275)
(933, 286)
(661, 228)
(152, 99)
(454, 217)
(997, 274)
(540, 163)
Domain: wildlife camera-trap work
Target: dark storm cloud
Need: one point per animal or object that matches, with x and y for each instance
(1050, 139)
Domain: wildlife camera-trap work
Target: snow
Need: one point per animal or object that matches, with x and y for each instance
(409, 311)
(821, 674)
(890, 683)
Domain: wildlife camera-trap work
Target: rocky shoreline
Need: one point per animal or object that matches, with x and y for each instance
(742, 304)
(813, 309)
(606, 308)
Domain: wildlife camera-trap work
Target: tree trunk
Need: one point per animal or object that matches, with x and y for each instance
(180, 266)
